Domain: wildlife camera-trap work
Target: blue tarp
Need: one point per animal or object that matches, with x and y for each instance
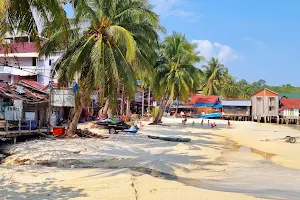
(214, 105)
(210, 115)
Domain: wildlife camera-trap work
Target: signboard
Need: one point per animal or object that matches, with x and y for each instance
(63, 97)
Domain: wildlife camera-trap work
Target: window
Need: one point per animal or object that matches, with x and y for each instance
(271, 108)
(33, 61)
(271, 100)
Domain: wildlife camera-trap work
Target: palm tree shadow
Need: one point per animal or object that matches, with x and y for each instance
(46, 191)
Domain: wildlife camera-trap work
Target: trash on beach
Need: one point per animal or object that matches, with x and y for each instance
(172, 139)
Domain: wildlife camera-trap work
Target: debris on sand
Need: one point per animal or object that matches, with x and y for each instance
(88, 134)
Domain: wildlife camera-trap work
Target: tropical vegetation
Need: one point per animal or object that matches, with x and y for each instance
(176, 74)
(111, 42)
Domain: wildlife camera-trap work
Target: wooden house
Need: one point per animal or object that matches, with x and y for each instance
(32, 102)
(240, 109)
(289, 109)
(265, 105)
(207, 106)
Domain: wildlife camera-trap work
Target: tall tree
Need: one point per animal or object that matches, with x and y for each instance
(176, 77)
(113, 40)
(213, 75)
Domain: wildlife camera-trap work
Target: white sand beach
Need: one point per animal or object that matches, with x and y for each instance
(211, 166)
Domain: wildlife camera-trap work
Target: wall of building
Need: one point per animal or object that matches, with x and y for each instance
(236, 111)
(265, 106)
(291, 113)
(42, 68)
(206, 110)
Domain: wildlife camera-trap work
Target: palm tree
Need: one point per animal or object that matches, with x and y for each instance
(32, 16)
(112, 41)
(213, 74)
(228, 86)
(176, 75)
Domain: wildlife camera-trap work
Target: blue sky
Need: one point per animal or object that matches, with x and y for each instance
(255, 39)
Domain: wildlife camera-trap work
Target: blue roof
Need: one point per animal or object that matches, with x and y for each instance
(236, 103)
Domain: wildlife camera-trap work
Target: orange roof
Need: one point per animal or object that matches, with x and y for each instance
(289, 103)
(204, 99)
(33, 84)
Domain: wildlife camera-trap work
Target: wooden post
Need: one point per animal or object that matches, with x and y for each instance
(6, 127)
(265, 119)
(39, 126)
(149, 98)
(277, 121)
(15, 139)
(143, 103)
(49, 112)
(252, 118)
(19, 126)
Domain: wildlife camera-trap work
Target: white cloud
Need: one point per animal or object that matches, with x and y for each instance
(214, 49)
(177, 8)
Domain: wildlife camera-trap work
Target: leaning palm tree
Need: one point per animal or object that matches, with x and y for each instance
(213, 74)
(112, 41)
(176, 75)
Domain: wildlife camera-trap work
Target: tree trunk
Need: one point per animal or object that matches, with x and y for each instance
(73, 125)
(122, 101)
(104, 110)
(128, 109)
(161, 111)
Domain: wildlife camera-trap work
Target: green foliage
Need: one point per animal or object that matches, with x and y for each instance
(218, 81)
(176, 76)
(114, 41)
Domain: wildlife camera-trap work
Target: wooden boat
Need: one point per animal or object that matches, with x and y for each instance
(152, 137)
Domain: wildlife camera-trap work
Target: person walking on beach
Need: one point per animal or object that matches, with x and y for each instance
(202, 122)
(212, 126)
(208, 122)
(228, 124)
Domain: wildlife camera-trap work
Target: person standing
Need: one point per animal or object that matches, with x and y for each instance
(228, 124)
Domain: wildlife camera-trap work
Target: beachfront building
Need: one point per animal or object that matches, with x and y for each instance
(19, 59)
(206, 106)
(265, 105)
(239, 109)
(289, 110)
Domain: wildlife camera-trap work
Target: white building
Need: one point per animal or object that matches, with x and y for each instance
(19, 60)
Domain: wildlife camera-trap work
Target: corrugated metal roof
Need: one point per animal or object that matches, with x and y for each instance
(237, 103)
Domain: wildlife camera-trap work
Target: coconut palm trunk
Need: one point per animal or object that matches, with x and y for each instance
(161, 110)
(73, 125)
(105, 109)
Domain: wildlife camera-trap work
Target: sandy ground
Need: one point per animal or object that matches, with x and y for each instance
(211, 166)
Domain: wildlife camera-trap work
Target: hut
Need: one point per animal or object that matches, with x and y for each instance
(23, 103)
(289, 110)
(207, 106)
(236, 109)
(265, 105)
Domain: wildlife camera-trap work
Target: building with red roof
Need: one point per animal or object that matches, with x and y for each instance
(206, 106)
(289, 108)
